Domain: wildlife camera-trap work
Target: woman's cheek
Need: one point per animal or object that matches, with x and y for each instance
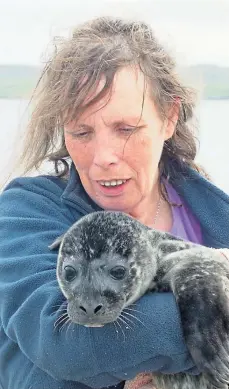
(79, 153)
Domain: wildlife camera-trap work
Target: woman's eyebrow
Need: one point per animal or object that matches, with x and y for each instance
(131, 121)
(84, 127)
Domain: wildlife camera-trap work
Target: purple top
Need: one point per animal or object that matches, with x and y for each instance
(185, 225)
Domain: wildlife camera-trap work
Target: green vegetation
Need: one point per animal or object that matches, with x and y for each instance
(18, 81)
(216, 92)
(212, 81)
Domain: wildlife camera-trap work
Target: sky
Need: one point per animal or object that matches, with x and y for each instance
(195, 31)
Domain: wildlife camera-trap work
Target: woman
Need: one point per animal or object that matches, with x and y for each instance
(113, 113)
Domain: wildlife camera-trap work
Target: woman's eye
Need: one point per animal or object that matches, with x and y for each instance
(80, 135)
(128, 130)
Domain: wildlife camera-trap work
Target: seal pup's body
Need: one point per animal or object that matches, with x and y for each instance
(108, 260)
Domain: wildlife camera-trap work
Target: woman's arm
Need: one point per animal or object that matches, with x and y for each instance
(18, 372)
(31, 217)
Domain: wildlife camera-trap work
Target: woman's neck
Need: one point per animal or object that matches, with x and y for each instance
(154, 211)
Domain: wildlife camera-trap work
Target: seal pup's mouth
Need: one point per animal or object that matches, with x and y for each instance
(94, 325)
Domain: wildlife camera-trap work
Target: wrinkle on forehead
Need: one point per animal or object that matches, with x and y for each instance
(124, 99)
(128, 89)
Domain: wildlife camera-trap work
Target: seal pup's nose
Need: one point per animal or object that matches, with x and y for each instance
(91, 309)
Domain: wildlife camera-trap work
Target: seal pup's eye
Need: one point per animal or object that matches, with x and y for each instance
(70, 273)
(118, 272)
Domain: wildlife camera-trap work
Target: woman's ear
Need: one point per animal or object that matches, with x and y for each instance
(173, 115)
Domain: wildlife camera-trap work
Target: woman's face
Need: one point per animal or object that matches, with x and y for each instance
(118, 164)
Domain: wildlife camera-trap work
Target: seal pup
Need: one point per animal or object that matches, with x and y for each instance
(108, 260)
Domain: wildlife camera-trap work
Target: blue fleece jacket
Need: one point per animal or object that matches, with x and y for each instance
(33, 354)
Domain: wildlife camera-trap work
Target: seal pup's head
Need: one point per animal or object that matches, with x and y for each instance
(106, 262)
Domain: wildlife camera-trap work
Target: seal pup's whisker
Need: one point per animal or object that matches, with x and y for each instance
(127, 326)
(60, 319)
(116, 329)
(136, 318)
(61, 316)
(69, 323)
(130, 319)
(64, 309)
(63, 325)
(59, 305)
(135, 310)
(121, 328)
(126, 318)
(65, 322)
(121, 318)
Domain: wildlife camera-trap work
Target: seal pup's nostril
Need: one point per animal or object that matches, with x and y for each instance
(90, 310)
(83, 309)
(98, 308)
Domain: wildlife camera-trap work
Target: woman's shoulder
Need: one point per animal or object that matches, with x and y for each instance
(34, 197)
(40, 188)
(39, 184)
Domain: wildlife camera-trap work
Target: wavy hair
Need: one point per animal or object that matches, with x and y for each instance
(99, 48)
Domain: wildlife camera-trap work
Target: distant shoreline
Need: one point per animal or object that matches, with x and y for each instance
(211, 81)
(217, 98)
(28, 98)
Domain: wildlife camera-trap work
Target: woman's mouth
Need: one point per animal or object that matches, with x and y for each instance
(113, 187)
(112, 183)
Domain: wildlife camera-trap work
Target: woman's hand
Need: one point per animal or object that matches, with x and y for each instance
(142, 381)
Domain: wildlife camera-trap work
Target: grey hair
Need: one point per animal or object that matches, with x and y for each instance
(99, 48)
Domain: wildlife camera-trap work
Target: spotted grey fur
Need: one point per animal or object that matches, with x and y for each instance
(153, 261)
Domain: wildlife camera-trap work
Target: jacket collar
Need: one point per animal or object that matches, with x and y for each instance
(207, 202)
(75, 195)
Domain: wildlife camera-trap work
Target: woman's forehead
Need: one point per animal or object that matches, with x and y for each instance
(124, 99)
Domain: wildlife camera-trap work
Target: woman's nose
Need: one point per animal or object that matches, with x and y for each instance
(106, 153)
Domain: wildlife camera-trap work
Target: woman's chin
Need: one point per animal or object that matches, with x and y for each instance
(121, 202)
(115, 206)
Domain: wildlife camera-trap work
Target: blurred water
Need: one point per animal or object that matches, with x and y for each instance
(213, 136)
(214, 140)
